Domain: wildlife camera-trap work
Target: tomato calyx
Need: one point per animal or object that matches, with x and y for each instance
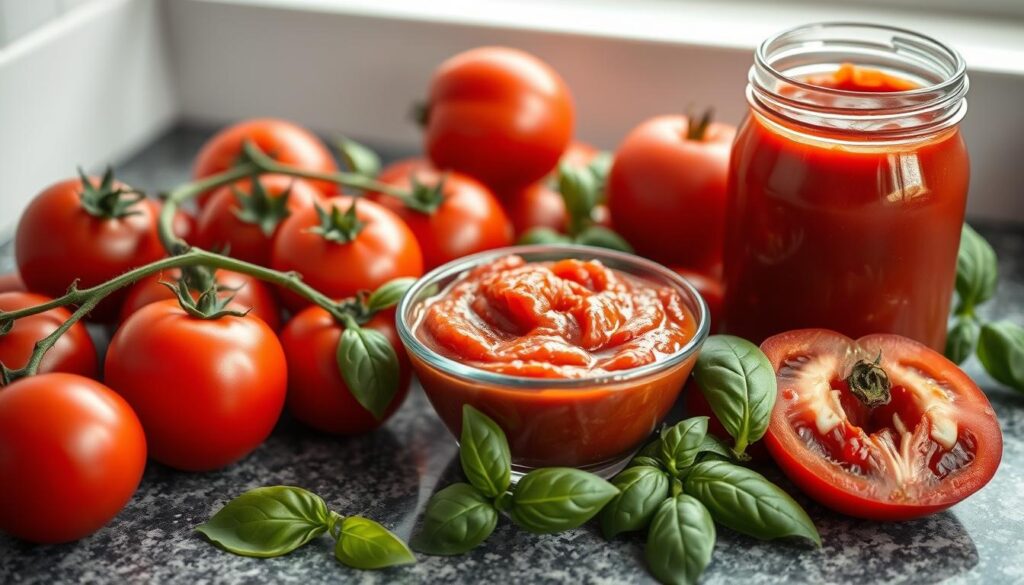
(108, 199)
(697, 130)
(869, 383)
(260, 209)
(426, 198)
(337, 226)
(209, 305)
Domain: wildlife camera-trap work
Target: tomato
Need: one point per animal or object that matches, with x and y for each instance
(497, 114)
(248, 293)
(935, 442)
(709, 287)
(467, 217)
(72, 453)
(579, 154)
(317, 394)
(666, 192)
(208, 391)
(11, 282)
(281, 140)
(59, 240)
(243, 227)
(340, 257)
(73, 353)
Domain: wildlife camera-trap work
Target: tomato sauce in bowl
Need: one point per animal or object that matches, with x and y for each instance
(577, 353)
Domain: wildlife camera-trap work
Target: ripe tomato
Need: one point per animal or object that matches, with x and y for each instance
(11, 282)
(244, 227)
(73, 353)
(248, 292)
(497, 114)
(59, 240)
(208, 391)
(579, 154)
(339, 256)
(935, 442)
(709, 287)
(72, 453)
(317, 394)
(281, 140)
(465, 219)
(666, 192)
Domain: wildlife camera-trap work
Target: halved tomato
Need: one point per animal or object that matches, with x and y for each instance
(882, 427)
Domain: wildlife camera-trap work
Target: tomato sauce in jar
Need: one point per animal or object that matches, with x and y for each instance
(847, 186)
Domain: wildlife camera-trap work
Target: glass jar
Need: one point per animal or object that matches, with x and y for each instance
(847, 185)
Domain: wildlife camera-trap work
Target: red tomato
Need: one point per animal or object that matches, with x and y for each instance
(208, 391)
(935, 442)
(72, 453)
(380, 248)
(709, 287)
(317, 394)
(666, 193)
(11, 282)
(497, 114)
(541, 206)
(249, 293)
(468, 219)
(246, 231)
(58, 241)
(401, 169)
(73, 353)
(579, 154)
(281, 140)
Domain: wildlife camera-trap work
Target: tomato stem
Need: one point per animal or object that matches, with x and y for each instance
(697, 129)
(869, 383)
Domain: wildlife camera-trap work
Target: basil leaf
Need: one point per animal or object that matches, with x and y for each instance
(542, 235)
(976, 271)
(484, 452)
(653, 449)
(600, 166)
(739, 384)
(458, 518)
(747, 502)
(641, 490)
(714, 447)
(267, 521)
(580, 189)
(370, 368)
(365, 544)
(681, 443)
(358, 158)
(680, 541)
(554, 499)
(388, 294)
(602, 237)
(641, 460)
(962, 339)
(1001, 351)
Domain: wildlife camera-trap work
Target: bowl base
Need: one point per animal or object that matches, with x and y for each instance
(604, 469)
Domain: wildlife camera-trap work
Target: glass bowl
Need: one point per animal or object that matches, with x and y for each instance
(594, 423)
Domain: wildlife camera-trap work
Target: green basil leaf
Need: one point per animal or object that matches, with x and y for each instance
(365, 544)
(1001, 351)
(580, 189)
(542, 235)
(976, 271)
(962, 338)
(641, 460)
(600, 166)
(358, 158)
(267, 521)
(602, 237)
(715, 447)
(681, 443)
(641, 490)
(680, 541)
(458, 518)
(388, 294)
(369, 365)
(747, 502)
(554, 499)
(652, 449)
(739, 384)
(484, 452)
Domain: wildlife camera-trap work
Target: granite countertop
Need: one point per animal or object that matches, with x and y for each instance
(390, 474)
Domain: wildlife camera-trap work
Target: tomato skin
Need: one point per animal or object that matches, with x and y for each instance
(468, 220)
(52, 489)
(709, 287)
(385, 249)
(11, 282)
(499, 115)
(208, 392)
(281, 140)
(220, 229)
(856, 495)
(250, 293)
(666, 194)
(74, 352)
(57, 241)
(317, 394)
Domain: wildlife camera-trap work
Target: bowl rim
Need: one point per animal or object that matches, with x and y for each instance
(622, 259)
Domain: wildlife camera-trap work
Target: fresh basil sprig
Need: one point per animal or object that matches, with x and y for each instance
(458, 519)
(681, 443)
(276, 520)
(556, 499)
(641, 490)
(680, 541)
(1001, 351)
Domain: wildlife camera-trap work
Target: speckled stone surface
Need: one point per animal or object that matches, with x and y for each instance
(390, 474)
